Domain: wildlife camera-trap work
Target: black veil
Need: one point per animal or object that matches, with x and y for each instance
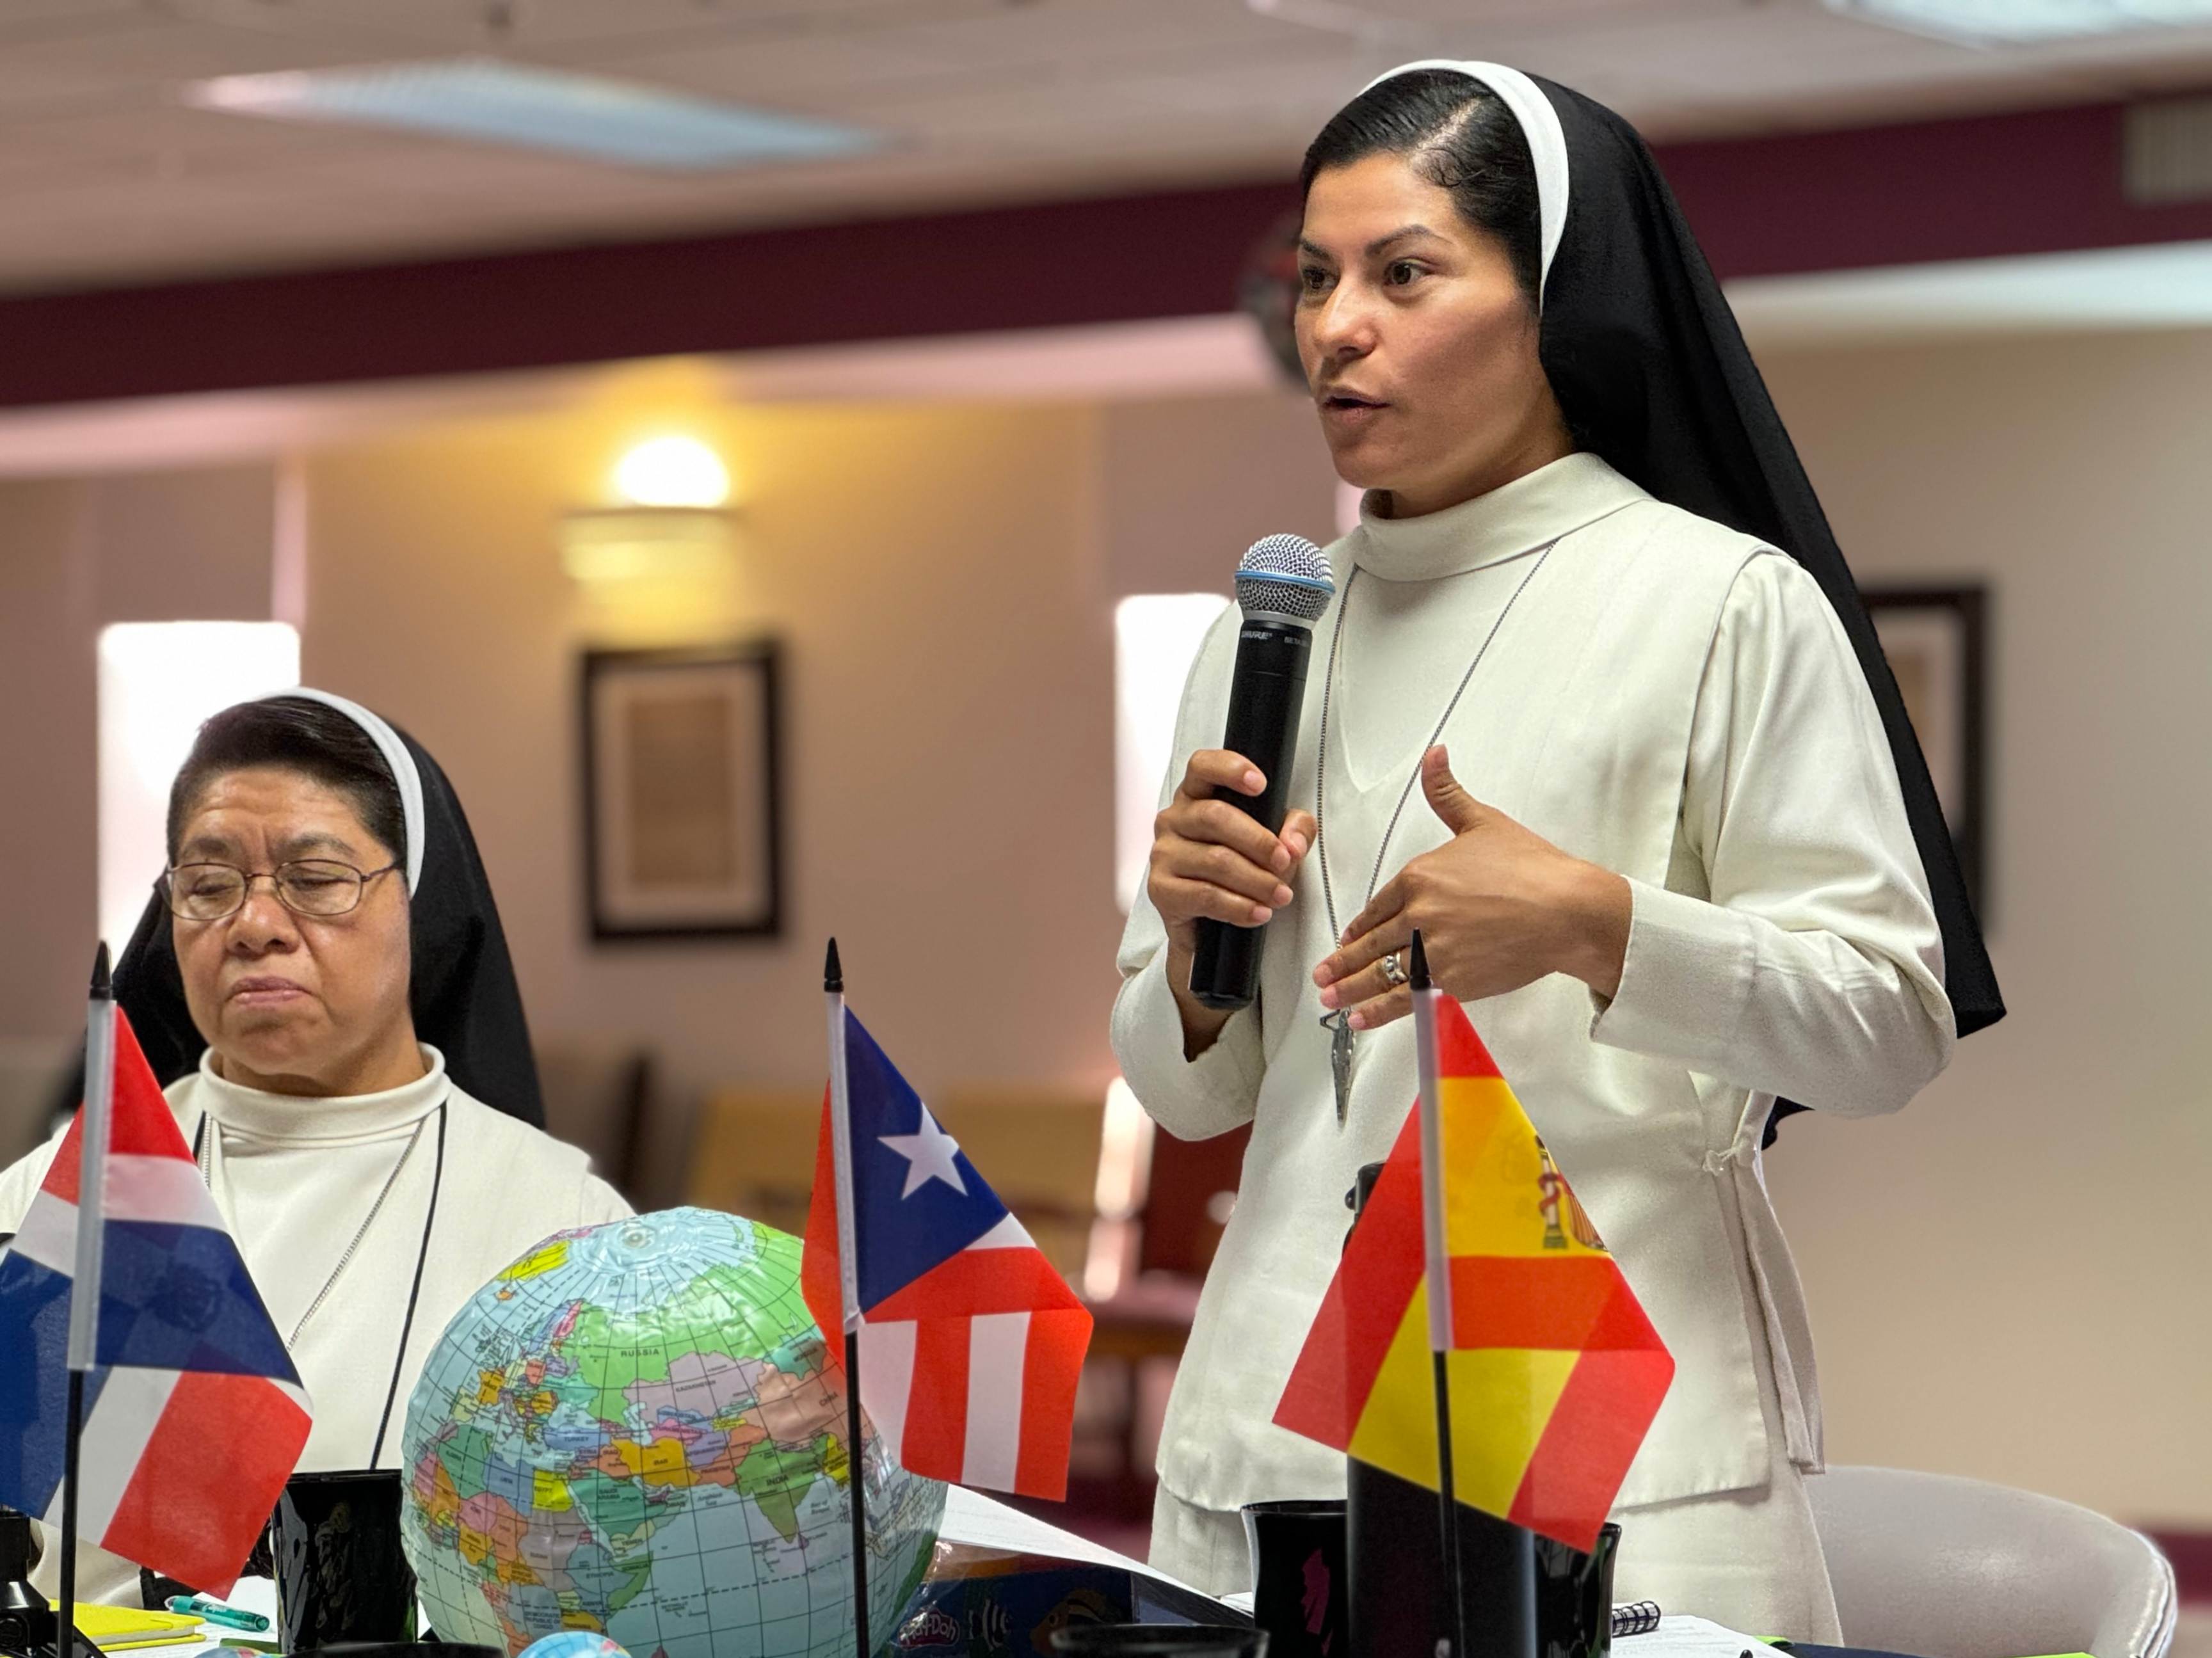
(461, 982)
(1653, 375)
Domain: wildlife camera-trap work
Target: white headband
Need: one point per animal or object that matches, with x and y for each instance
(1539, 126)
(397, 756)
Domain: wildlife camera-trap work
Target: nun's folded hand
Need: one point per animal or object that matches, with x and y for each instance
(1497, 906)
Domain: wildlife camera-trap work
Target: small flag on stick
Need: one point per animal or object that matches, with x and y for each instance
(971, 1344)
(1555, 1373)
(193, 1416)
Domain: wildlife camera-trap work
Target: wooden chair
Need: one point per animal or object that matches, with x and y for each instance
(752, 1154)
(1141, 1328)
(1038, 1147)
(598, 1096)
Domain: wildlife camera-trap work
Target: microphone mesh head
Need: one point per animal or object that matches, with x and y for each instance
(1285, 575)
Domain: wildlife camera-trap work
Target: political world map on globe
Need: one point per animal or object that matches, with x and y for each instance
(635, 1430)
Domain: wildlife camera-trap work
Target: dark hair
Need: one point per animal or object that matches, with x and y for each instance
(301, 735)
(1459, 136)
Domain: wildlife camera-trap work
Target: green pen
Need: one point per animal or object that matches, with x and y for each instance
(213, 1612)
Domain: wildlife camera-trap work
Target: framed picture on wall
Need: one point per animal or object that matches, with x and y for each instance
(1936, 640)
(682, 813)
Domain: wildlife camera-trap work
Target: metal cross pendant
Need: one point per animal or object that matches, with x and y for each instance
(1339, 1059)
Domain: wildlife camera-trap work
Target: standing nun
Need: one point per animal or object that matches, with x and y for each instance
(322, 986)
(1681, 862)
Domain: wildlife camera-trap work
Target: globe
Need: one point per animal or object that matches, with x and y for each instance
(635, 1432)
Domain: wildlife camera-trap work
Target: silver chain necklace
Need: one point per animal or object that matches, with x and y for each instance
(360, 1232)
(1338, 1023)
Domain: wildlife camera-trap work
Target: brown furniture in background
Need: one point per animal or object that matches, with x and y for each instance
(598, 1095)
(752, 1154)
(1038, 1147)
(1193, 1186)
(1142, 1328)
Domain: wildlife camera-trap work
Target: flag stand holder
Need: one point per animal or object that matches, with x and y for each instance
(1428, 1575)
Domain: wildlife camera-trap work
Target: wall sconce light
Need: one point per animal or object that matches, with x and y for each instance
(677, 525)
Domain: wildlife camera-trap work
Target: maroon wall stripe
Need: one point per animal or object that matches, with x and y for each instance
(2013, 184)
(2191, 1551)
(1114, 260)
(2044, 182)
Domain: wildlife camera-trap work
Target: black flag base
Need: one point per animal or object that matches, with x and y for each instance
(1401, 1603)
(27, 1620)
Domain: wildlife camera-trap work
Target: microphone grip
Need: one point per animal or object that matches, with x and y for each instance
(1264, 700)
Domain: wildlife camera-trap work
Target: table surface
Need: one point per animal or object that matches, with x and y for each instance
(970, 1517)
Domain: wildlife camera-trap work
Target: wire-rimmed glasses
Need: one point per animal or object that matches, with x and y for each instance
(320, 887)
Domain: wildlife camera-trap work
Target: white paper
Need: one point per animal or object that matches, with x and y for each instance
(972, 1517)
(1679, 1636)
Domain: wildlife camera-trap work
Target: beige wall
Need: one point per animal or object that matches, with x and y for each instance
(76, 554)
(948, 813)
(942, 579)
(2007, 1280)
(48, 823)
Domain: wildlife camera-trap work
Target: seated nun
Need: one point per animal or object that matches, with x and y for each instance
(322, 986)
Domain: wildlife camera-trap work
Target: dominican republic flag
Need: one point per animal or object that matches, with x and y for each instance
(971, 1344)
(194, 1418)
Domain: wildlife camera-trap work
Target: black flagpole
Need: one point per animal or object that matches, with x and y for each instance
(65, 1615)
(840, 1124)
(85, 1278)
(1424, 1040)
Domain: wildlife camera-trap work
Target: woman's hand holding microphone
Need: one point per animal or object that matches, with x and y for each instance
(1209, 860)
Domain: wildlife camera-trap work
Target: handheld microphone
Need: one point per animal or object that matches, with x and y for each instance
(1283, 585)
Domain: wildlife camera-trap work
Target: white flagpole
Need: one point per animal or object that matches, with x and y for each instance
(1437, 1256)
(849, 1286)
(1436, 1252)
(92, 1164)
(84, 1286)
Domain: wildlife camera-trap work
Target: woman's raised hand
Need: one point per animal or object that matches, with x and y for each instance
(1498, 907)
(1209, 860)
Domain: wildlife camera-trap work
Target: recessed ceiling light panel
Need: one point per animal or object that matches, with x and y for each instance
(501, 103)
(2026, 22)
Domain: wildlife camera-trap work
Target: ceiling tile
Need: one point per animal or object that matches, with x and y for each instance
(105, 177)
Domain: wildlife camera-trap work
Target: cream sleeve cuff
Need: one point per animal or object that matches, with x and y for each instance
(1684, 982)
(1192, 1099)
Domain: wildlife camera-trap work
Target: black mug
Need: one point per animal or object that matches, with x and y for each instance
(1160, 1641)
(342, 1575)
(1298, 1579)
(1574, 1597)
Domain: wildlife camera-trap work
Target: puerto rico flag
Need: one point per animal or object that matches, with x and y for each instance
(194, 1418)
(970, 1343)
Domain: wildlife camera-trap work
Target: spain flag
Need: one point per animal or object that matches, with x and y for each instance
(1554, 1371)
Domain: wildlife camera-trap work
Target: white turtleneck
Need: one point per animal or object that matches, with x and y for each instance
(296, 1178)
(1679, 704)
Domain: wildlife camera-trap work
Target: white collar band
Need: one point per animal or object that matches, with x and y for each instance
(1539, 126)
(396, 756)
